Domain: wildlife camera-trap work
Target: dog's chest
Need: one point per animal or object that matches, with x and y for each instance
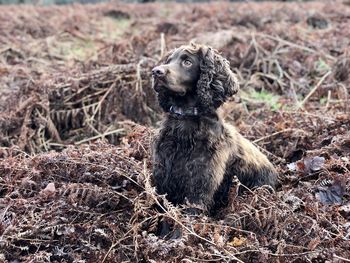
(179, 166)
(189, 162)
(186, 148)
(183, 155)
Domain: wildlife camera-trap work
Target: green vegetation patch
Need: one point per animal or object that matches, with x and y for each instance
(269, 99)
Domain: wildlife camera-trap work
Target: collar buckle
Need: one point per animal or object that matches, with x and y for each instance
(192, 111)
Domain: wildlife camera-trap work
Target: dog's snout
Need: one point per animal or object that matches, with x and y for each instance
(158, 71)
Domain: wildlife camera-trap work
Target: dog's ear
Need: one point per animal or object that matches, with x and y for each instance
(217, 82)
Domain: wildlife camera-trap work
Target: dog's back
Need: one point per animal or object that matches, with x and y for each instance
(247, 163)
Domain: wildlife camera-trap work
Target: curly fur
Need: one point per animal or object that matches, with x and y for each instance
(217, 82)
(196, 157)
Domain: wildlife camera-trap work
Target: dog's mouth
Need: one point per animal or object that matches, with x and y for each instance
(159, 84)
(162, 85)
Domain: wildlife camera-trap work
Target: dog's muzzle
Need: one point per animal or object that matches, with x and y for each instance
(158, 72)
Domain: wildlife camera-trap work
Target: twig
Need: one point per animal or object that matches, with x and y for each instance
(162, 45)
(329, 95)
(104, 97)
(276, 133)
(117, 131)
(115, 244)
(314, 89)
(293, 254)
(25, 104)
(229, 227)
(279, 159)
(341, 258)
(291, 44)
(138, 77)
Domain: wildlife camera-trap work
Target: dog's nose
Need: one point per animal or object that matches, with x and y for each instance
(158, 71)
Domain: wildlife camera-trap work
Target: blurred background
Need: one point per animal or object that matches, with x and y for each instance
(62, 2)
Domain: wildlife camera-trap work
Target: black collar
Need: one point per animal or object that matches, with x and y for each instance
(191, 111)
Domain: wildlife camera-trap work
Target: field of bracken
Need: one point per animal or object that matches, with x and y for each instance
(78, 114)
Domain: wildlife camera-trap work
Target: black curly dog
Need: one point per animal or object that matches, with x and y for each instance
(197, 154)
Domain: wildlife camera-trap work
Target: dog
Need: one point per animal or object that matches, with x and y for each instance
(196, 154)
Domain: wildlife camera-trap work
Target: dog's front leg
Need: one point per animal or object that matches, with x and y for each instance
(201, 186)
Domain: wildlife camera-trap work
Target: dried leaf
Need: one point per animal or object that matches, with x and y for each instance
(237, 242)
(345, 210)
(307, 165)
(49, 190)
(314, 164)
(292, 167)
(331, 194)
(313, 243)
(219, 240)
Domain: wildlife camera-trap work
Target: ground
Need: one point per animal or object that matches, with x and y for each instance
(78, 113)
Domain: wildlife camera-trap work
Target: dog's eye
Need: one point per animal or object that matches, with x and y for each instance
(187, 63)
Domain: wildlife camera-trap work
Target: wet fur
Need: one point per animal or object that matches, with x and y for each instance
(196, 157)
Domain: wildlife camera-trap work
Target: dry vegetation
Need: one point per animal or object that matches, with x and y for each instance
(74, 78)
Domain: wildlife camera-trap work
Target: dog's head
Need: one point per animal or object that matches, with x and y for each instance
(197, 70)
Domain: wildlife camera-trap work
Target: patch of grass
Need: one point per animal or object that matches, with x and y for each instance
(82, 50)
(164, 11)
(321, 66)
(323, 100)
(112, 29)
(71, 48)
(265, 97)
